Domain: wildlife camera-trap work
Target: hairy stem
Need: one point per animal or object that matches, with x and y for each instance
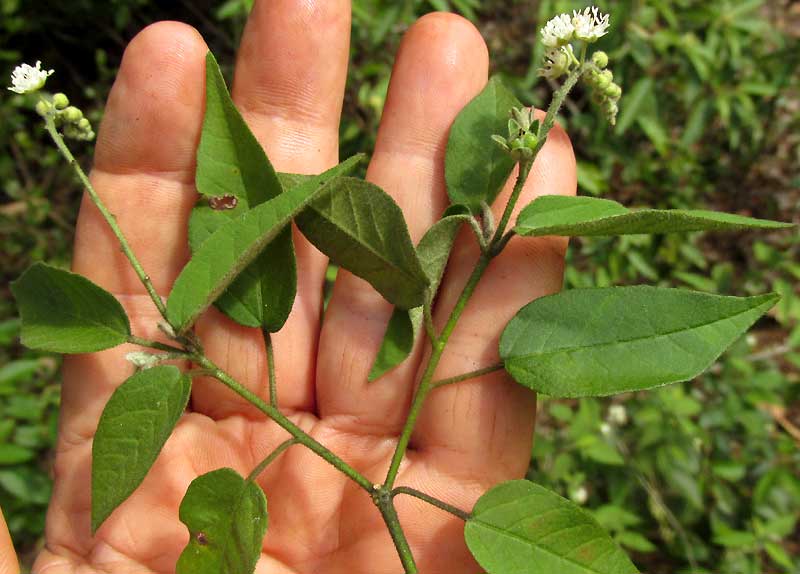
(525, 166)
(271, 458)
(432, 501)
(134, 340)
(273, 383)
(107, 215)
(285, 423)
(386, 506)
(425, 384)
(466, 376)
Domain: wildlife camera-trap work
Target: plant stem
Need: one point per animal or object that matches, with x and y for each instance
(271, 458)
(466, 376)
(386, 506)
(284, 422)
(425, 384)
(134, 340)
(525, 166)
(273, 384)
(432, 501)
(107, 215)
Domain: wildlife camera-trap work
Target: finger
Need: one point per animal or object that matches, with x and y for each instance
(157, 97)
(289, 85)
(442, 63)
(485, 425)
(8, 558)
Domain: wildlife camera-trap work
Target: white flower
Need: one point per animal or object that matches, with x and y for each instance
(558, 31)
(617, 415)
(590, 24)
(26, 79)
(605, 429)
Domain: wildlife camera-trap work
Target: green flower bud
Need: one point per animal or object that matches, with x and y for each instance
(72, 114)
(530, 140)
(613, 91)
(600, 59)
(84, 124)
(60, 101)
(43, 108)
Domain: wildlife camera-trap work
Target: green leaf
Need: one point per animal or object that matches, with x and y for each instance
(263, 294)
(64, 312)
(433, 252)
(475, 168)
(361, 228)
(231, 163)
(227, 518)
(232, 247)
(592, 216)
(520, 527)
(596, 342)
(135, 424)
(398, 341)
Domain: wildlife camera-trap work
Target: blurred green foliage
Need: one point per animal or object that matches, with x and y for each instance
(702, 477)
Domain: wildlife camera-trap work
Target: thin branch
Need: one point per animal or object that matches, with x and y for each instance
(457, 512)
(467, 376)
(271, 458)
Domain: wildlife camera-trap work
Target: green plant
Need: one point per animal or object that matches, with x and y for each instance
(331, 210)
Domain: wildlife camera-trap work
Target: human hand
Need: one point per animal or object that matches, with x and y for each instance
(289, 84)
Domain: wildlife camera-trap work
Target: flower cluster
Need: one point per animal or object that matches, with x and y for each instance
(26, 79)
(523, 134)
(586, 26)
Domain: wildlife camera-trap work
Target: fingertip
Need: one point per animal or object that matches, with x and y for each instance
(442, 63)
(555, 169)
(158, 96)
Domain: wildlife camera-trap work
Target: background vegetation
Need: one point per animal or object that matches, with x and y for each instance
(703, 477)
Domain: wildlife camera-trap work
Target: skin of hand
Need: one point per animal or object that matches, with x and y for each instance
(289, 84)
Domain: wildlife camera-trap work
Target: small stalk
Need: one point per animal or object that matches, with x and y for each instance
(466, 376)
(271, 458)
(273, 384)
(50, 126)
(134, 340)
(457, 512)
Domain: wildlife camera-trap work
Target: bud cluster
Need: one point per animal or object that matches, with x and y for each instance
(68, 118)
(523, 134)
(605, 92)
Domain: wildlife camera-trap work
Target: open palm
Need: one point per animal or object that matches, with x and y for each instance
(289, 85)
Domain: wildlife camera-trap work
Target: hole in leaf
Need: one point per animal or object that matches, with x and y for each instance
(201, 538)
(223, 202)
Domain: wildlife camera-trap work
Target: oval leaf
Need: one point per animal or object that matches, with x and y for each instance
(135, 424)
(227, 518)
(433, 252)
(520, 527)
(361, 228)
(597, 342)
(475, 168)
(230, 249)
(263, 294)
(592, 216)
(231, 163)
(63, 312)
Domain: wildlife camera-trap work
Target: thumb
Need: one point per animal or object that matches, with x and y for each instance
(8, 558)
